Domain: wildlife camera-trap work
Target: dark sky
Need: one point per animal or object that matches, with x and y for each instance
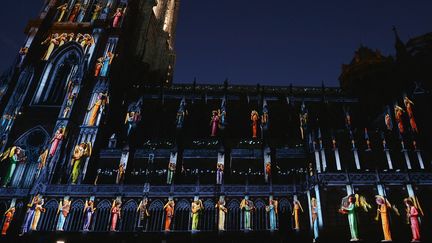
(271, 42)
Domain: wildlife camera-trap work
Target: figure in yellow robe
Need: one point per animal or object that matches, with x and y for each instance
(382, 210)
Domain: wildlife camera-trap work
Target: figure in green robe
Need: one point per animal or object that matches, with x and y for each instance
(14, 155)
(81, 152)
(247, 206)
(196, 208)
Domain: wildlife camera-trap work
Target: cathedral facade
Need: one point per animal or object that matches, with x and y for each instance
(95, 138)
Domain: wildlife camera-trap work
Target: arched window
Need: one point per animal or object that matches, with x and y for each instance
(259, 216)
(75, 219)
(233, 216)
(285, 214)
(208, 218)
(49, 217)
(129, 216)
(157, 216)
(182, 215)
(62, 69)
(102, 216)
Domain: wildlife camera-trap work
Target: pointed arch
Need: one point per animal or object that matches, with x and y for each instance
(65, 64)
(74, 221)
(157, 216)
(129, 216)
(48, 219)
(102, 216)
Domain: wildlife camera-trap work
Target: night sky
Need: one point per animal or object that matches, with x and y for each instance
(274, 42)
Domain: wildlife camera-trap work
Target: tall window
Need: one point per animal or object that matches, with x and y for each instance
(54, 83)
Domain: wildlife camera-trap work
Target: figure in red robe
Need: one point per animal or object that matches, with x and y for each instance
(74, 12)
(115, 215)
(117, 17)
(413, 216)
(58, 137)
(215, 123)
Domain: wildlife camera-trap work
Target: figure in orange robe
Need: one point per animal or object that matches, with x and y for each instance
(169, 214)
(382, 211)
(8, 219)
(399, 118)
(409, 107)
(99, 64)
(254, 119)
(99, 104)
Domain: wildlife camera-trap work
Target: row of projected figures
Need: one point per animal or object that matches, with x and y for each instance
(154, 215)
(207, 215)
(79, 11)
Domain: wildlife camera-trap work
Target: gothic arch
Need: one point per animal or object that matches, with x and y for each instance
(49, 218)
(74, 221)
(157, 204)
(182, 205)
(129, 216)
(65, 64)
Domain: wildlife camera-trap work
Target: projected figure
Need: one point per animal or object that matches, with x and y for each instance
(106, 64)
(53, 42)
(296, 213)
(39, 209)
(88, 213)
(196, 208)
(55, 141)
(409, 107)
(62, 10)
(399, 118)
(97, 108)
(30, 214)
(413, 216)
(214, 122)
(222, 211)
(247, 206)
(349, 206)
(272, 210)
(171, 171)
(169, 214)
(96, 12)
(117, 18)
(254, 119)
(144, 214)
(14, 155)
(115, 214)
(7, 220)
(81, 152)
(383, 212)
(314, 210)
(63, 211)
(98, 66)
(219, 173)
